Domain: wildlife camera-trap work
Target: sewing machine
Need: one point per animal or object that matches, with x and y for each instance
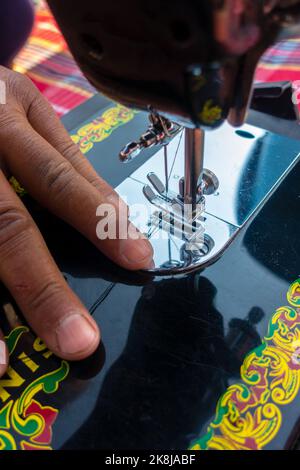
(192, 67)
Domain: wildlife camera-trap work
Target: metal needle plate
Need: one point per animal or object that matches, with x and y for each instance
(249, 162)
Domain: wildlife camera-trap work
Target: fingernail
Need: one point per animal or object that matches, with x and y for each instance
(2, 353)
(75, 334)
(137, 251)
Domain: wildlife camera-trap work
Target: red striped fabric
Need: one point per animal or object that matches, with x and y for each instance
(47, 61)
(281, 62)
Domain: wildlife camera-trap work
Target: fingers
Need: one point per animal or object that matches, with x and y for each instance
(29, 272)
(3, 355)
(65, 184)
(44, 120)
(56, 184)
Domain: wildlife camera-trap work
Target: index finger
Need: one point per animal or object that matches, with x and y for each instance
(44, 120)
(54, 182)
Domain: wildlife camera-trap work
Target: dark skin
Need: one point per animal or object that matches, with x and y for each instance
(38, 151)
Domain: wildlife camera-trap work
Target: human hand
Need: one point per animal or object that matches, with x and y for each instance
(37, 150)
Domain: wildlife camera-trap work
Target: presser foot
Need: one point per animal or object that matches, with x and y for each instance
(246, 166)
(184, 238)
(177, 222)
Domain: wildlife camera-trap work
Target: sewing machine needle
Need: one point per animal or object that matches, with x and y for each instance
(166, 168)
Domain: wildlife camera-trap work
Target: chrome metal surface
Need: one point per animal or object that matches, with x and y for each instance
(249, 163)
(155, 181)
(166, 168)
(160, 131)
(210, 182)
(193, 168)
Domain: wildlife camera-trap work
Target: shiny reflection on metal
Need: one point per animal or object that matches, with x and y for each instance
(210, 183)
(245, 134)
(166, 168)
(248, 172)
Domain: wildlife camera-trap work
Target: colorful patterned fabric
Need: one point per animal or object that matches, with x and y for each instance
(49, 64)
(281, 62)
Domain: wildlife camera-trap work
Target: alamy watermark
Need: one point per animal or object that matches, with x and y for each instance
(2, 353)
(296, 353)
(2, 92)
(296, 92)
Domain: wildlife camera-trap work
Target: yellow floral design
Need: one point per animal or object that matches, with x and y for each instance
(210, 113)
(102, 127)
(249, 414)
(17, 187)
